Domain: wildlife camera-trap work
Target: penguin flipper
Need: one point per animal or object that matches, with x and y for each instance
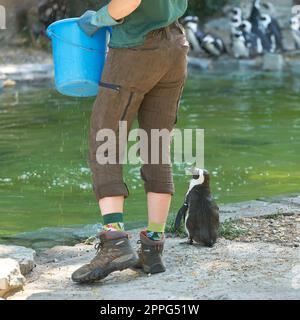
(180, 216)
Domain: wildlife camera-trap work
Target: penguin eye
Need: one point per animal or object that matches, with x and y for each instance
(196, 177)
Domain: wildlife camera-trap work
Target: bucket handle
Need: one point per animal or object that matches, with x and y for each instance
(51, 34)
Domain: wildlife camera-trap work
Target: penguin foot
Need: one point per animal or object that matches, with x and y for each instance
(188, 242)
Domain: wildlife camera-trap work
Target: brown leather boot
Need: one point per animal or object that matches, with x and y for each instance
(150, 255)
(114, 253)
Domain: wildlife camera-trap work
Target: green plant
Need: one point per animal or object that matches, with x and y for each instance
(206, 8)
(170, 227)
(275, 216)
(230, 230)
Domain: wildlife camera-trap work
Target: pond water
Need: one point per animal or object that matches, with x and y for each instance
(252, 148)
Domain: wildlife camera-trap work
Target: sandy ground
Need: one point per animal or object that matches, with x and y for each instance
(230, 270)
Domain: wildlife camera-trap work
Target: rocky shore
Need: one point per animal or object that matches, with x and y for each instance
(32, 65)
(262, 261)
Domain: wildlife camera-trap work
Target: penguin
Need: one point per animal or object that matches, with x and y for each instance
(199, 211)
(269, 8)
(253, 41)
(295, 28)
(271, 28)
(239, 45)
(255, 15)
(51, 11)
(208, 42)
(190, 24)
(254, 19)
(236, 12)
(235, 24)
(213, 45)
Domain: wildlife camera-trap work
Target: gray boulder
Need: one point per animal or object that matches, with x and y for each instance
(24, 256)
(11, 279)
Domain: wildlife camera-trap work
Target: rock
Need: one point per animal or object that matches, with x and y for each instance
(28, 71)
(2, 79)
(273, 62)
(11, 278)
(53, 236)
(250, 64)
(24, 256)
(225, 65)
(201, 63)
(9, 83)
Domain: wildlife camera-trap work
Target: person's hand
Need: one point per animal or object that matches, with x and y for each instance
(85, 23)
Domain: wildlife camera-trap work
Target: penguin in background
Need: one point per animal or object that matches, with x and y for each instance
(51, 11)
(191, 25)
(255, 15)
(239, 45)
(271, 28)
(210, 43)
(253, 41)
(199, 211)
(295, 28)
(235, 24)
(238, 42)
(213, 45)
(236, 12)
(255, 20)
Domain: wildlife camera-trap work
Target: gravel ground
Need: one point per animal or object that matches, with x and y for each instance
(231, 270)
(283, 230)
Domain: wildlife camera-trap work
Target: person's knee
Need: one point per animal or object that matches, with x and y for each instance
(158, 178)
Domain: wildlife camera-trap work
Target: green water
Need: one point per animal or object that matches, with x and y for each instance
(252, 148)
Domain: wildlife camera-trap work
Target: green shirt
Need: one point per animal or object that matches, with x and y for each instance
(150, 15)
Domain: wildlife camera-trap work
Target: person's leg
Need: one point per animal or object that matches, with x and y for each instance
(116, 101)
(127, 76)
(158, 209)
(158, 112)
(112, 209)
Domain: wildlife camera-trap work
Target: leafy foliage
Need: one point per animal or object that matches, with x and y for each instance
(206, 8)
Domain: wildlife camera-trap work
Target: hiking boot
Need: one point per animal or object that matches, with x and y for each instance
(150, 255)
(114, 253)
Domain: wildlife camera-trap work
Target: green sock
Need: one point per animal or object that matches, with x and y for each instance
(155, 231)
(113, 222)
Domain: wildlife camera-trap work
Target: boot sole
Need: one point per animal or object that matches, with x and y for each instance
(154, 269)
(98, 274)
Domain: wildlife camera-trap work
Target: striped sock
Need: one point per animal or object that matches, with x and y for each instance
(155, 231)
(113, 222)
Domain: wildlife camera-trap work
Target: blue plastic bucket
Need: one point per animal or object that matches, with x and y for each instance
(78, 58)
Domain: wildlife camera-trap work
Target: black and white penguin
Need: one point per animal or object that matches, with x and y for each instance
(272, 30)
(208, 42)
(295, 28)
(236, 12)
(253, 41)
(255, 15)
(255, 20)
(239, 45)
(235, 24)
(213, 45)
(199, 211)
(51, 11)
(191, 26)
